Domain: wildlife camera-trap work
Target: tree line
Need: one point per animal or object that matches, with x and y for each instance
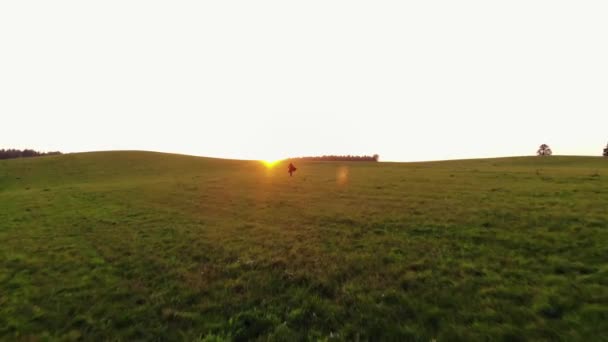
(14, 153)
(349, 158)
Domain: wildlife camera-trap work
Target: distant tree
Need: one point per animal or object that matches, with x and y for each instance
(544, 150)
(29, 153)
(606, 151)
(376, 157)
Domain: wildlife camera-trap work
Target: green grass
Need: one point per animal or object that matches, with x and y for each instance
(139, 246)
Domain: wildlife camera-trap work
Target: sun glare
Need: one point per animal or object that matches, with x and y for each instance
(270, 163)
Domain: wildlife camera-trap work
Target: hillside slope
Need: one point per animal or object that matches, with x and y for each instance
(142, 245)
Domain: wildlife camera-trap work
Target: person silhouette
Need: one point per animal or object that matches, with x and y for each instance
(291, 169)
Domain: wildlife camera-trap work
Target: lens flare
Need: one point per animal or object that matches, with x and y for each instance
(342, 176)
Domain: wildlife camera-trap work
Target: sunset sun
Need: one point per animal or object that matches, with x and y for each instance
(270, 163)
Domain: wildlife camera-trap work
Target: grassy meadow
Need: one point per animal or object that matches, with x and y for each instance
(150, 246)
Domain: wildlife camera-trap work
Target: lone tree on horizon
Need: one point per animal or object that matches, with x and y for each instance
(606, 151)
(544, 150)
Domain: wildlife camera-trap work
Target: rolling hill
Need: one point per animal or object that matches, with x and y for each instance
(142, 245)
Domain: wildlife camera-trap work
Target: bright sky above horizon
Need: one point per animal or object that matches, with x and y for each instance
(409, 80)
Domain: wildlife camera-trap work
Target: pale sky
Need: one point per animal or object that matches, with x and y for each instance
(409, 80)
